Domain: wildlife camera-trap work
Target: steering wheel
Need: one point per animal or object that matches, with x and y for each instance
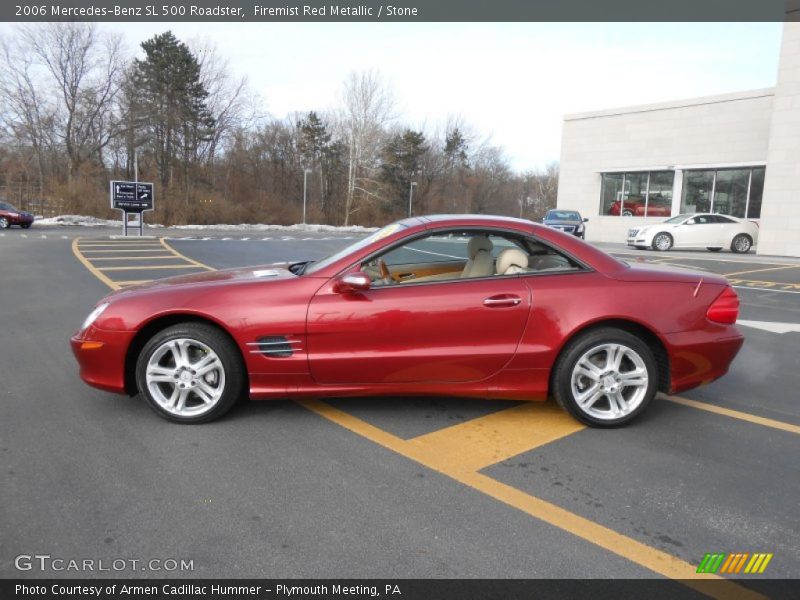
(386, 275)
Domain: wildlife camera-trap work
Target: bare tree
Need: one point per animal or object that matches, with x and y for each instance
(368, 107)
(84, 67)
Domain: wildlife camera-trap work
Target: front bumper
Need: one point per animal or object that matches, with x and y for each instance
(700, 357)
(101, 356)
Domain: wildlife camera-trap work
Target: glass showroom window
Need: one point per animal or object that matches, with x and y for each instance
(641, 194)
(735, 192)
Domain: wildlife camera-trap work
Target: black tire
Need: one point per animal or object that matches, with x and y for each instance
(741, 244)
(626, 212)
(26, 225)
(713, 249)
(4, 224)
(233, 369)
(662, 236)
(561, 382)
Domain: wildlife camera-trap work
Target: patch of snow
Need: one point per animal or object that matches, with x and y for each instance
(84, 221)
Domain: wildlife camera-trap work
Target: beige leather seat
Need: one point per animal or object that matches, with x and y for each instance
(511, 261)
(479, 251)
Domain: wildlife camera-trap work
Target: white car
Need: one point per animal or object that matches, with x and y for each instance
(700, 230)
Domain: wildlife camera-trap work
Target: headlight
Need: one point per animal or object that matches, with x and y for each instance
(580, 228)
(94, 314)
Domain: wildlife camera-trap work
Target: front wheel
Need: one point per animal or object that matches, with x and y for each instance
(3, 223)
(662, 242)
(26, 226)
(714, 249)
(190, 373)
(605, 377)
(742, 243)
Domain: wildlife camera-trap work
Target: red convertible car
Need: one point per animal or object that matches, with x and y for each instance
(474, 306)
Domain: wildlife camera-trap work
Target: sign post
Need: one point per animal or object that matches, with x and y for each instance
(132, 197)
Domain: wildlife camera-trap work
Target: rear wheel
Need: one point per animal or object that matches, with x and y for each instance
(742, 243)
(714, 249)
(662, 242)
(190, 373)
(605, 377)
(26, 225)
(3, 223)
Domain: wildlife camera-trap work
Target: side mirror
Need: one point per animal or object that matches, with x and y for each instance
(585, 220)
(351, 283)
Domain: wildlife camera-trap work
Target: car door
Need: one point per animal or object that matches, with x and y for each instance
(726, 230)
(695, 232)
(436, 331)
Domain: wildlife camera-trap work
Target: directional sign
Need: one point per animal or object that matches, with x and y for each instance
(131, 196)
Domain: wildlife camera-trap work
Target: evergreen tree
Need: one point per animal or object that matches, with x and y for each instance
(401, 164)
(170, 101)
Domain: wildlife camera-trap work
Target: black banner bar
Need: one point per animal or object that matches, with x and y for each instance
(401, 11)
(398, 589)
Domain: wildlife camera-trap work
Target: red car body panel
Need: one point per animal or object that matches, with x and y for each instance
(432, 339)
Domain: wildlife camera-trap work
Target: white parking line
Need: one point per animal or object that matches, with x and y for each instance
(436, 253)
(761, 289)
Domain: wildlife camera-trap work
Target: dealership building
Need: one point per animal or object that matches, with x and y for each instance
(736, 154)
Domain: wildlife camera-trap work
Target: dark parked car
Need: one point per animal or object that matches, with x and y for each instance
(9, 215)
(569, 221)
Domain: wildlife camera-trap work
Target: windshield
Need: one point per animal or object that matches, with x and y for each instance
(677, 219)
(563, 215)
(329, 260)
(6, 206)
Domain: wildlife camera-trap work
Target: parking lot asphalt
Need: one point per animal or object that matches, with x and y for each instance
(385, 487)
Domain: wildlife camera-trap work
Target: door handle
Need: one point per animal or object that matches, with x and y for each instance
(502, 300)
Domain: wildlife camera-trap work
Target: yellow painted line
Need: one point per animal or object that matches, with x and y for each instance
(92, 269)
(735, 414)
(481, 442)
(709, 258)
(186, 258)
(120, 251)
(135, 282)
(165, 256)
(761, 270)
(147, 267)
(599, 535)
(152, 245)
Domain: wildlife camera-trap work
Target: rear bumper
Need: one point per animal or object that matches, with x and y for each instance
(700, 357)
(101, 357)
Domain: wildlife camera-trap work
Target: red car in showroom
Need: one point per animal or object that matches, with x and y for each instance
(469, 306)
(10, 215)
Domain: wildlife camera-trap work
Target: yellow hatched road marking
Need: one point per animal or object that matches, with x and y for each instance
(736, 414)
(186, 258)
(92, 269)
(761, 270)
(424, 451)
(147, 267)
(484, 441)
(148, 245)
(165, 256)
(119, 251)
(134, 282)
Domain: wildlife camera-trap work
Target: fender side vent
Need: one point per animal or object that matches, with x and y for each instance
(274, 346)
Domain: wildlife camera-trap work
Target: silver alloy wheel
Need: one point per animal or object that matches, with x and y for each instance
(3, 223)
(742, 243)
(609, 381)
(185, 377)
(663, 242)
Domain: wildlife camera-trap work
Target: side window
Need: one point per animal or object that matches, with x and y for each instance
(463, 255)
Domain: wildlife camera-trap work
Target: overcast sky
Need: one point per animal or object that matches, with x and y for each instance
(511, 81)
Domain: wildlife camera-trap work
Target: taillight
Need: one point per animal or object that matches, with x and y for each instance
(725, 309)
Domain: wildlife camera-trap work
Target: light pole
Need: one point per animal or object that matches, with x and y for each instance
(305, 188)
(410, 196)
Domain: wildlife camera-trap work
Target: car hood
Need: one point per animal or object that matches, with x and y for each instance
(261, 273)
